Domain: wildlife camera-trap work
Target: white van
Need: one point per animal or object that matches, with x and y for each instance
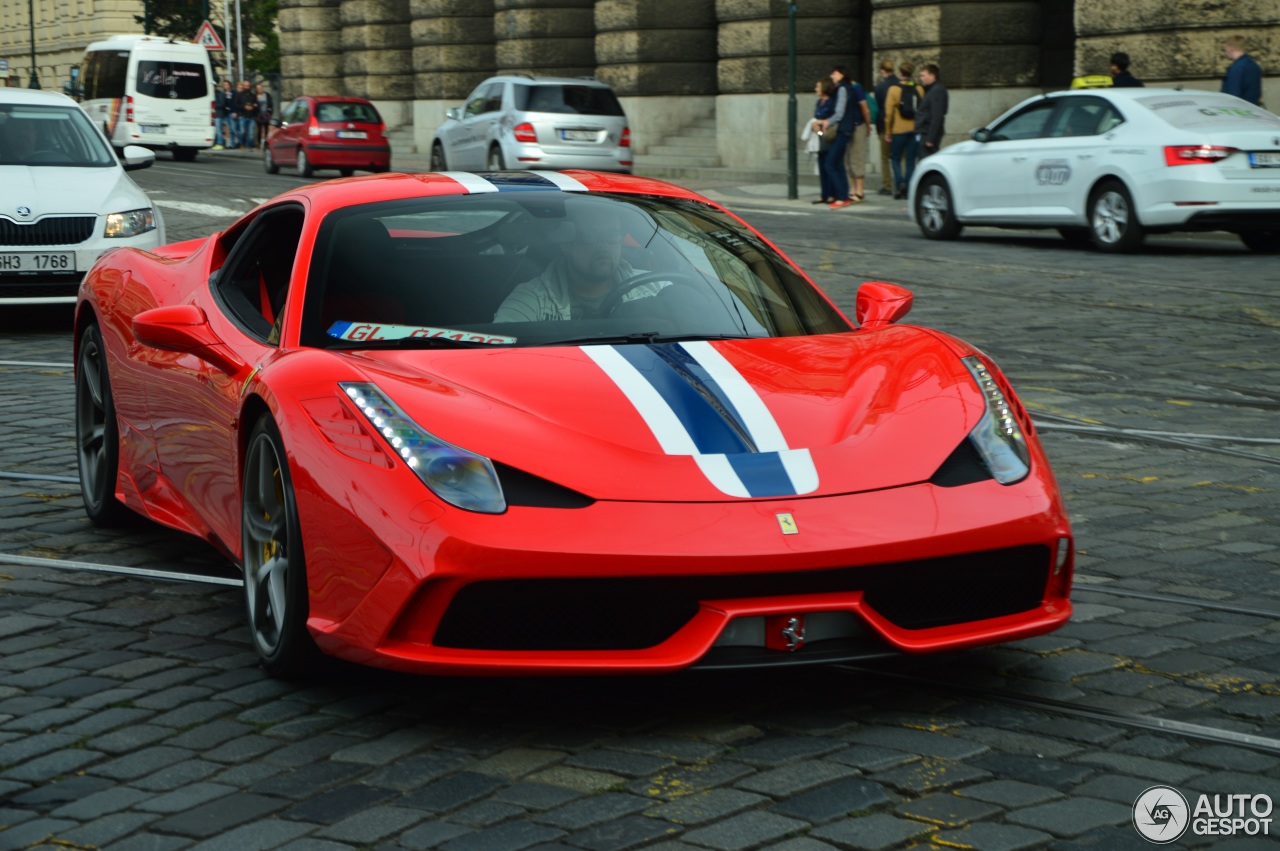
(150, 91)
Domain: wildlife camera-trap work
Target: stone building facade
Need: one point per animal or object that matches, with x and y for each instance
(676, 62)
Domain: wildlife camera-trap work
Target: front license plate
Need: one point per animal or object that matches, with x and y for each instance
(1265, 159)
(37, 261)
(579, 135)
(153, 128)
(352, 134)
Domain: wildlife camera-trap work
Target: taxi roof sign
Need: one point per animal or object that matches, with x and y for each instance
(207, 37)
(1093, 81)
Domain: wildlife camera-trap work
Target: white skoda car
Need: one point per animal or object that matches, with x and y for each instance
(64, 197)
(1111, 165)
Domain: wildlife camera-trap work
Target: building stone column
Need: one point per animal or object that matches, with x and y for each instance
(310, 47)
(552, 37)
(377, 55)
(453, 52)
(753, 69)
(1186, 48)
(989, 52)
(660, 58)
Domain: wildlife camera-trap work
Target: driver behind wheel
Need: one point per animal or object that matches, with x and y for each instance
(21, 137)
(588, 268)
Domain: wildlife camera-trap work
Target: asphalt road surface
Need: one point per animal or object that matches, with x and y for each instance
(133, 715)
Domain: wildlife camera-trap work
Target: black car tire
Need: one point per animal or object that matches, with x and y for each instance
(303, 165)
(185, 155)
(346, 172)
(1262, 241)
(1076, 236)
(438, 162)
(275, 573)
(935, 209)
(494, 161)
(269, 161)
(97, 433)
(1112, 218)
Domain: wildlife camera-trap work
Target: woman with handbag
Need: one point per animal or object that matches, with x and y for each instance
(822, 135)
(263, 118)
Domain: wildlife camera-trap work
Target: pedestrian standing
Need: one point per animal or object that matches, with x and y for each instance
(881, 92)
(900, 127)
(850, 112)
(247, 110)
(1120, 76)
(931, 116)
(822, 110)
(1244, 77)
(855, 155)
(223, 104)
(263, 117)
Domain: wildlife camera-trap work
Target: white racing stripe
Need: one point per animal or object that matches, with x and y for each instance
(757, 418)
(473, 183)
(563, 181)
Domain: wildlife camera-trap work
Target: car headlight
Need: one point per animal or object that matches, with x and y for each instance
(132, 223)
(998, 437)
(457, 476)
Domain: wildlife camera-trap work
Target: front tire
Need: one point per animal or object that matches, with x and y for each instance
(935, 209)
(1262, 241)
(304, 166)
(1113, 220)
(97, 433)
(275, 573)
(495, 162)
(269, 161)
(438, 162)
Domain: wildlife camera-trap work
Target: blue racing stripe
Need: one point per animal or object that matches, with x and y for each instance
(698, 377)
(707, 427)
(518, 182)
(762, 474)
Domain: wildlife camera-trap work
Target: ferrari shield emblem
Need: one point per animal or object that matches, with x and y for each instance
(788, 524)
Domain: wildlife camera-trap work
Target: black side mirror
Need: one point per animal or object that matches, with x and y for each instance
(982, 134)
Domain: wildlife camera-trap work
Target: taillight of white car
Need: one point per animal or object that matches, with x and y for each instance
(1196, 154)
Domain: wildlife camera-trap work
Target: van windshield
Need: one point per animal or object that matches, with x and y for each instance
(176, 80)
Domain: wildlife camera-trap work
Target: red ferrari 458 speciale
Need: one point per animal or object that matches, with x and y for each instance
(559, 423)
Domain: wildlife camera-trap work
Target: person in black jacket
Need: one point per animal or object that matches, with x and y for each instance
(931, 115)
(1120, 76)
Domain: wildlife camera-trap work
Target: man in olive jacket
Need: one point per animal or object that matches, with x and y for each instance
(931, 116)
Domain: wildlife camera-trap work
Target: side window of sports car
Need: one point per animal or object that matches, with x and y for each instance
(253, 286)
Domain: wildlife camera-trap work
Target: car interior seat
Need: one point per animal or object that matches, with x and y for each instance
(357, 285)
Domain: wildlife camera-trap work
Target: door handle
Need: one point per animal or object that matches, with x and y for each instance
(1084, 156)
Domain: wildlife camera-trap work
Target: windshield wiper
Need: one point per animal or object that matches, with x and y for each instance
(645, 337)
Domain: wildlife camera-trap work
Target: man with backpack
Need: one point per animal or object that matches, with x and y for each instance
(900, 127)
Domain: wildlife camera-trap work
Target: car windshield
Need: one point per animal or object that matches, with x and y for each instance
(538, 268)
(333, 113)
(574, 100)
(41, 135)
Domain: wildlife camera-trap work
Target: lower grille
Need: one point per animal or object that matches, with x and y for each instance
(635, 613)
(46, 285)
(51, 230)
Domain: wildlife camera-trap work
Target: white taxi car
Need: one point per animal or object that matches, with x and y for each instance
(1111, 165)
(64, 197)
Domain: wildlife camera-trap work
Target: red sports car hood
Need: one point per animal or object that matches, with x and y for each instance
(702, 421)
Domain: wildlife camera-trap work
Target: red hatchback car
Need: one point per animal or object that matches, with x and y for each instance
(328, 132)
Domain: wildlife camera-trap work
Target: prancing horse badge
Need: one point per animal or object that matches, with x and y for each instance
(788, 524)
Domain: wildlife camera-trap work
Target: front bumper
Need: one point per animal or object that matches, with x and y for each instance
(658, 587)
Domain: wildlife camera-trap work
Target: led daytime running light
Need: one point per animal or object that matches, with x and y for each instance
(131, 223)
(457, 476)
(998, 437)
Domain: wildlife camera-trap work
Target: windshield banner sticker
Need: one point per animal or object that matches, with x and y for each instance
(370, 331)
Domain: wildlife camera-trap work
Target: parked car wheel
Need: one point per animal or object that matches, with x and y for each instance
(304, 166)
(437, 158)
(1263, 241)
(495, 162)
(269, 161)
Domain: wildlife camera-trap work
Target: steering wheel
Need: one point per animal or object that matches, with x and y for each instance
(679, 279)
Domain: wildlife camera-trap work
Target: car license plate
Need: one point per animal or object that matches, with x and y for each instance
(1265, 159)
(153, 128)
(579, 135)
(37, 261)
(352, 134)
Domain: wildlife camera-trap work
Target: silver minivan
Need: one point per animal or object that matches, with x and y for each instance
(523, 122)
